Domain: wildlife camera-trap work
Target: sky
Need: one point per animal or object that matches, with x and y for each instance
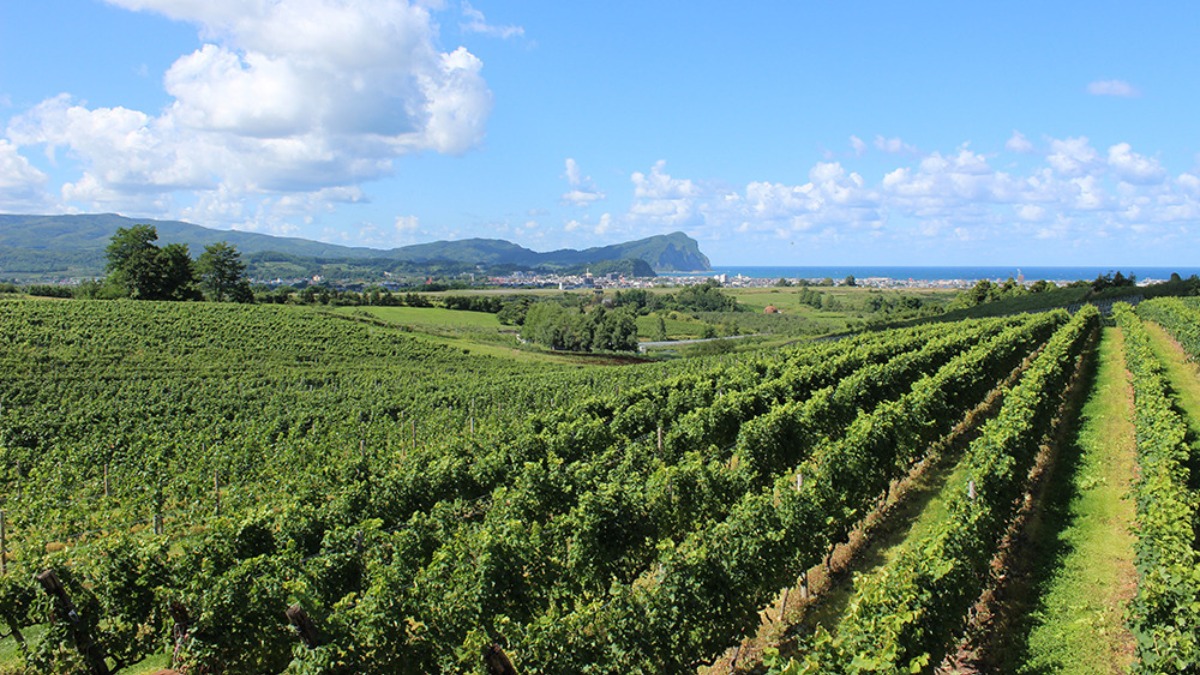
(773, 132)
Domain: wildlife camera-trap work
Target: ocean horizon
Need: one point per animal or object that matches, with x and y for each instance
(946, 273)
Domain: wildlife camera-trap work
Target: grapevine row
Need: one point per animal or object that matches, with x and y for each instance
(704, 591)
(1165, 614)
(905, 616)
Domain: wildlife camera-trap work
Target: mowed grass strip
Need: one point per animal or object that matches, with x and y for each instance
(1083, 576)
(1182, 375)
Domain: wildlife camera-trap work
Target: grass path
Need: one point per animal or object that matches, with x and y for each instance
(1083, 576)
(1182, 375)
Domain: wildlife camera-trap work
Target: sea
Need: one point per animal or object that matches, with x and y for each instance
(993, 273)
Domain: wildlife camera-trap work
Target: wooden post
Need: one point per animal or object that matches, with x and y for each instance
(783, 607)
(660, 438)
(971, 489)
(158, 523)
(804, 586)
(304, 625)
(497, 661)
(106, 480)
(83, 642)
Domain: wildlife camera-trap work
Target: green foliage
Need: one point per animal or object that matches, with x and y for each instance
(49, 291)
(584, 519)
(985, 291)
(904, 617)
(144, 271)
(557, 327)
(660, 329)
(705, 297)
(223, 274)
(1166, 611)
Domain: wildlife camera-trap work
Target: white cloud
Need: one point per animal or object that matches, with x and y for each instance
(22, 185)
(1031, 212)
(1134, 168)
(1074, 194)
(661, 199)
(1118, 88)
(831, 195)
(858, 145)
(583, 191)
(407, 223)
(286, 97)
(1018, 143)
(476, 22)
(1072, 156)
(605, 224)
(894, 145)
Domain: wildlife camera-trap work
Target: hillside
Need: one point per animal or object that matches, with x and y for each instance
(73, 246)
(255, 462)
(675, 252)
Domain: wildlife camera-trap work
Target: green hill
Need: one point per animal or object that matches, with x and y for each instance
(73, 246)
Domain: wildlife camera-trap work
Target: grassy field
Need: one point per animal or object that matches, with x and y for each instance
(476, 333)
(787, 299)
(430, 317)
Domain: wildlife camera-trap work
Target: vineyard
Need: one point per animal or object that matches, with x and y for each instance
(266, 489)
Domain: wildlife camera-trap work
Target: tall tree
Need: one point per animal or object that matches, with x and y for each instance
(223, 274)
(132, 260)
(178, 274)
(143, 271)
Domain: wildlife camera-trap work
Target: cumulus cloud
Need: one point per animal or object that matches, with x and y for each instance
(295, 96)
(1118, 88)
(1072, 156)
(583, 191)
(22, 185)
(659, 198)
(1134, 168)
(1074, 193)
(1018, 143)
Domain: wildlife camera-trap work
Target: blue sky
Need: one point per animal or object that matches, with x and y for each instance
(775, 133)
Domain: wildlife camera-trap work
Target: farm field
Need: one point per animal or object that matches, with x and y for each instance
(420, 497)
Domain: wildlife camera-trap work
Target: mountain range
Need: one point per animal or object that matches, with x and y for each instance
(45, 246)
